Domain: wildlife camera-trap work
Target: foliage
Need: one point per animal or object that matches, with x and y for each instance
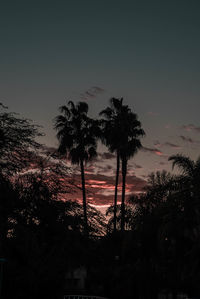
(77, 133)
(17, 141)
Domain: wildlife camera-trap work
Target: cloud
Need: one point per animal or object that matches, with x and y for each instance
(100, 188)
(152, 150)
(188, 139)
(89, 169)
(106, 155)
(91, 93)
(137, 166)
(132, 168)
(152, 113)
(162, 163)
(190, 127)
(157, 143)
(105, 169)
(99, 180)
(169, 144)
(175, 146)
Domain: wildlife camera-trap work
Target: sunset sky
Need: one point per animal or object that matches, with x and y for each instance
(83, 50)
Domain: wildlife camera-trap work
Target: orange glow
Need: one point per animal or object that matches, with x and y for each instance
(97, 182)
(159, 153)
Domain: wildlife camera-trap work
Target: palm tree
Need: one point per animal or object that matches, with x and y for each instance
(110, 137)
(121, 133)
(187, 184)
(130, 134)
(77, 136)
(186, 165)
(190, 171)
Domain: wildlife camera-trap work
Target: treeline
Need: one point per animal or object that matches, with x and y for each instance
(151, 242)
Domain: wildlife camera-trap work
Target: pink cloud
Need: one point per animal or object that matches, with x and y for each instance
(153, 151)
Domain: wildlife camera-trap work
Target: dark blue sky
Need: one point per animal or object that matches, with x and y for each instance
(146, 51)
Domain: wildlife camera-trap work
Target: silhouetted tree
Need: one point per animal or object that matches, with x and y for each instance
(130, 133)
(17, 141)
(128, 217)
(77, 135)
(38, 246)
(121, 133)
(110, 137)
(185, 225)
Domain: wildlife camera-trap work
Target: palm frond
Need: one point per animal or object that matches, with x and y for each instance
(82, 107)
(65, 110)
(184, 163)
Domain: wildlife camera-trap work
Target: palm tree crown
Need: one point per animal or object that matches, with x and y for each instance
(187, 166)
(76, 132)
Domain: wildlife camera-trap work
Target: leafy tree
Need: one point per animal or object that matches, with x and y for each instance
(17, 141)
(187, 225)
(187, 189)
(190, 171)
(77, 136)
(45, 237)
(17, 149)
(38, 245)
(129, 212)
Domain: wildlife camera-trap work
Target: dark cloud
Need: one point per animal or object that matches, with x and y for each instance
(187, 139)
(2, 105)
(106, 155)
(105, 169)
(162, 163)
(137, 166)
(191, 127)
(91, 93)
(169, 144)
(98, 89)
(172, 145)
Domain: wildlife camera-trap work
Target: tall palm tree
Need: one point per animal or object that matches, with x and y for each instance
(130, 134)
(77, 136)
(110, 137)
(121, 133)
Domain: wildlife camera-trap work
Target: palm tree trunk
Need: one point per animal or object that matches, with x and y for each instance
(84, 198)
(124, 169)
(116, 186)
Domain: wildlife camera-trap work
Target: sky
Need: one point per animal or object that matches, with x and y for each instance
(144, 51)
